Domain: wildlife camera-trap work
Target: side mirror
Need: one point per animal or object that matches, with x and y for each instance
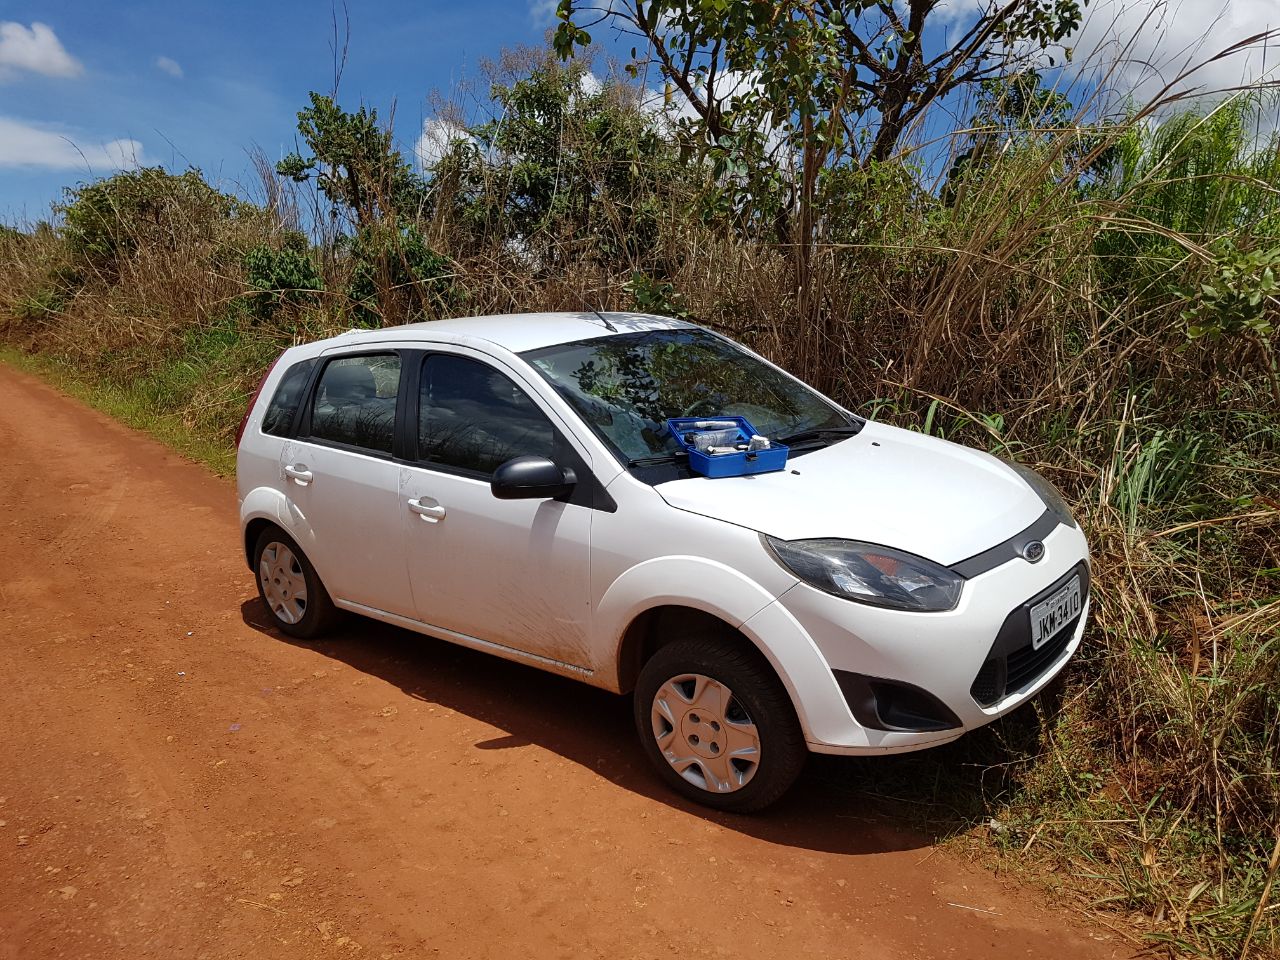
(531, 478)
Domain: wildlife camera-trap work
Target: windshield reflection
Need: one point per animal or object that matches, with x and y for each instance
(627, 386)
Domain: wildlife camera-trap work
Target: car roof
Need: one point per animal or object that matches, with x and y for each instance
(519, 332)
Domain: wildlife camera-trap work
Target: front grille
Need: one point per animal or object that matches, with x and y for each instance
(1026, 665)
(1012, 665)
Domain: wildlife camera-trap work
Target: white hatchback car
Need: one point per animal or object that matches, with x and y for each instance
(511, 484)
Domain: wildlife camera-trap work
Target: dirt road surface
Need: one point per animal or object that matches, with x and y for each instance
(178, 781)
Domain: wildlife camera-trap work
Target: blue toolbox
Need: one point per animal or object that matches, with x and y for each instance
(724, 443)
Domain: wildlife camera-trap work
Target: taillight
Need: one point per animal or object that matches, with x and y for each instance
(253, 401)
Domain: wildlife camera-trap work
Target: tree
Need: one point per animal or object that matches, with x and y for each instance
(839, 68)
(782, 92)
(566, 167)
(354, 165)
(378, 196)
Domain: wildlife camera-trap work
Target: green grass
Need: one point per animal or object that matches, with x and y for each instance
(135, 405)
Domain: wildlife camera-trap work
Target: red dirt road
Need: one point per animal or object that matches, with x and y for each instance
(176, 781)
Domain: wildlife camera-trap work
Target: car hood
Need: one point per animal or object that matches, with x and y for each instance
(886, 486)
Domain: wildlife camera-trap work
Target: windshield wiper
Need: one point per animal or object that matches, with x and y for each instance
(656, 459)
(820, 433)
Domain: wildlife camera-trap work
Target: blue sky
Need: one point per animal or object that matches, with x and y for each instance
(238, 72)
(86, 85)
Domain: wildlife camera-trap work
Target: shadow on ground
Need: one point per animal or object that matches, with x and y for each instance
(847, 805)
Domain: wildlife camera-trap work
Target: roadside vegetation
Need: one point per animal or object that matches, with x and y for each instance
(1087, 287)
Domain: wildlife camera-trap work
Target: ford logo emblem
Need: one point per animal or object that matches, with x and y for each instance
(1033, 552)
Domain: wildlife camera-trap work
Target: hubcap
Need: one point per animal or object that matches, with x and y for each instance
(283, 583)
(705, 733)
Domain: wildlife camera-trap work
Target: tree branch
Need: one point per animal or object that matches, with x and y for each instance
(705, 109)
(890, 14)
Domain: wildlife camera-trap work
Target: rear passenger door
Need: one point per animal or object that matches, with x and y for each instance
(508, 572)
(341, 476)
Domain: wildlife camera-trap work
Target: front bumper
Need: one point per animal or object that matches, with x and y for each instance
(969, 660)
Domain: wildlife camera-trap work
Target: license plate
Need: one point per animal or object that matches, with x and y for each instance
(1048, 617)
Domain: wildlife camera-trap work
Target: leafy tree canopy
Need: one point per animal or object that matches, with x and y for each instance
(857, 72)
(566, 162)
(781, 92)
(354, 163)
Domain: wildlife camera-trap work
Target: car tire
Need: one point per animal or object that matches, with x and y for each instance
(717, 724)
(289, 587)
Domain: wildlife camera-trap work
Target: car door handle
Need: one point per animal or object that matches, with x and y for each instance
(430, 512)
(299, 472)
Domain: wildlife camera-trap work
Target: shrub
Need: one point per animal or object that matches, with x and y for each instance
(417, 283)
(106, 221)
(285, 278)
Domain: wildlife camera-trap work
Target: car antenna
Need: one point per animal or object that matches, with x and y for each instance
(604, 320)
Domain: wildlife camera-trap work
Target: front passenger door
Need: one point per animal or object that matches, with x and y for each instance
(509, 572)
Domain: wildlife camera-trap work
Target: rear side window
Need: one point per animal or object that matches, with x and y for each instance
(355, 402)
(279, 416)
(471, 417)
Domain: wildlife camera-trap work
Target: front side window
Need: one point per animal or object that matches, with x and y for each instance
(279, 416)
(627, 386)
(355, 402)
(473, 418)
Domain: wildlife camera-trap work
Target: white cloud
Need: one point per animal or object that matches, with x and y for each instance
(670, 106)
(436, 139)
(589, 84)
(25, 145)
(35, 48)
(543, 12)
(1139, 46)
(954, 11)
(170, 66)
(1149, 43)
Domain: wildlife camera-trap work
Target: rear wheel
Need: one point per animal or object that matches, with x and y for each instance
(289, 587)
(717, 724)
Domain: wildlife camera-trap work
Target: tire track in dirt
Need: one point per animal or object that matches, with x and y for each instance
(176, 780)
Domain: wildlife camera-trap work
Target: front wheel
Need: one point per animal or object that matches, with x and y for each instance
(718, 725)
(289, 587)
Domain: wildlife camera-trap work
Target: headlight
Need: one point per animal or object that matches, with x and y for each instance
(867, 573)
(1047, 492)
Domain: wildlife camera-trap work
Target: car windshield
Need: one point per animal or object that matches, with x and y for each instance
(627, 386)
